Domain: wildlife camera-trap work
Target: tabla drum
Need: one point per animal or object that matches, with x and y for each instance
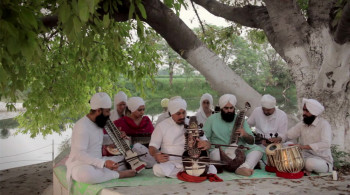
(271, 153)
(289, 159)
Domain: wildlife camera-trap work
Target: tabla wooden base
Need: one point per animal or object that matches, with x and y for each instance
(286, 175)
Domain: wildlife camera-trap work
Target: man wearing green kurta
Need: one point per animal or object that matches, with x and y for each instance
(218, 130)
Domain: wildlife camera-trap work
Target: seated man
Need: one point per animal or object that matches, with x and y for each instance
(85, 162)
(315, 136)
(169, 136)
(218, 129)
(269, 120)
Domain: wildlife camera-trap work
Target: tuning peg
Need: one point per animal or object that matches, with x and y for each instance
(276, 134)
(271, 134)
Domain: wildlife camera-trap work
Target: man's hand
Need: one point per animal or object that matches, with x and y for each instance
(161, 157)
(109, 164)
(123, 134)
(275, 140)
(241, 132)
(263, 142)
(203, 144)
(303, 147)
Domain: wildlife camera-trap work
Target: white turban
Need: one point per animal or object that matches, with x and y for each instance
(176, 104)
(120, 97)
(100, 100)
(268, 101)
(224, 99)
(134, 103)
(208, 97)
(314, 107)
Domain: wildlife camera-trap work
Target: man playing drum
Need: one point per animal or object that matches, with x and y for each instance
(269, 120)
(169, 136)
(315, 136)
(218, 129)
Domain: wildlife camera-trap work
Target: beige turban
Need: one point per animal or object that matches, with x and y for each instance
(120, 97)
(176, 104)
(164, 102)
(268, 101)
(134, 103)
(224, 99)
(314, 107)
(100, 100)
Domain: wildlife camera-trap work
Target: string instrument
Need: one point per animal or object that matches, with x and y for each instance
(260, 137)
(144, 139)
(195, 160)
(131, 157)
(234, 156)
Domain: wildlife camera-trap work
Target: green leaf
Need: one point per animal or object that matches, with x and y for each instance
(3, 75)
(106, 20)
(28, 19)
(12, 45)
(142, 10)
(83, 10)
(131, 10)
(77, 25)
(64, 12)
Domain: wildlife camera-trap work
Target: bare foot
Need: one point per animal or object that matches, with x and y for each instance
(244, 171)
(127, 173)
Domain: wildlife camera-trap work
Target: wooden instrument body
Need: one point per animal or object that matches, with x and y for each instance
(130, 156)
(193, 156)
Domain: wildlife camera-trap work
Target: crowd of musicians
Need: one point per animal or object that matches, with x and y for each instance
(90, 161)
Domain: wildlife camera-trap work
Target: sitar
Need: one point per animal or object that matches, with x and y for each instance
(131, 157)
(235, 156)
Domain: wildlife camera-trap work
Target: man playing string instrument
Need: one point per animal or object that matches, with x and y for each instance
(269, 120)
(169, 136)
(218, 129)
(315, 136)
(85, 162)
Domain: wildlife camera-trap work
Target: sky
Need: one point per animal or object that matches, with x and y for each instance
(191, 20)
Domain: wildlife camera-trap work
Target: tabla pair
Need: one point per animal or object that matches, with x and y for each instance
(288, 160)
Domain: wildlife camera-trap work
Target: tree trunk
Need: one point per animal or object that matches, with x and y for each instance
(323, 74)
(171, 73)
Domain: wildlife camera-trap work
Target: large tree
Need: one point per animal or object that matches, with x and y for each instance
(313, 40)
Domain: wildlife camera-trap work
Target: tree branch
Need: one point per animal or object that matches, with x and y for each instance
(342, 33)
(318, 12)
(241, 15)
(199, 19)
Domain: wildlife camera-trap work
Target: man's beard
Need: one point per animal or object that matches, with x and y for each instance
(180, 122)
(308, 120)
(101, 120)
(227, 117)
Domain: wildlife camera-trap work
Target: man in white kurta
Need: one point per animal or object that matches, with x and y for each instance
(205, 108)
(169, 136)
(85, 162)
(315, 136)
(268, 119)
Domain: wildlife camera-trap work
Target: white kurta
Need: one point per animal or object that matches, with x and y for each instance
(162, 117)
(170, 138)
(275, 123)
(86, 144)
(318, 136)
